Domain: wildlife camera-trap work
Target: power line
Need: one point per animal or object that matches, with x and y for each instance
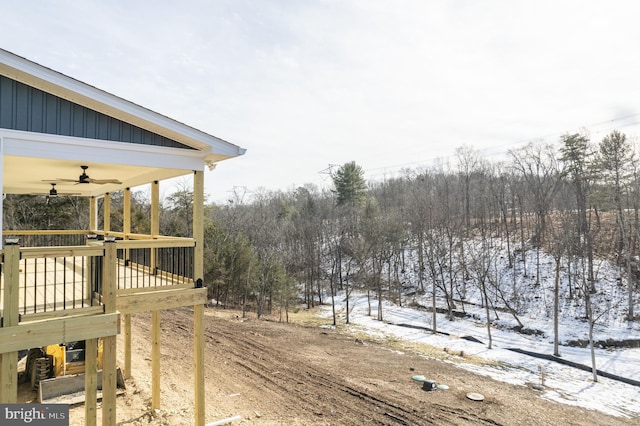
(504, 148)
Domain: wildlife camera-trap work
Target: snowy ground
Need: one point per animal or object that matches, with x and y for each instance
(562, 383)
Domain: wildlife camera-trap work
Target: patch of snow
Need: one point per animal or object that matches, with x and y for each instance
(533, 300)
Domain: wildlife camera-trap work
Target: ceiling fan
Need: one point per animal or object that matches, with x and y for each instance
(84, 178)
(53, 192)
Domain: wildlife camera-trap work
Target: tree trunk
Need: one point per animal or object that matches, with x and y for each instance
(421, 261)
(556, 303)
(346, 282)
(488, 313)
(591, 324)
(333, 299)
(246, 290)
(433, 309)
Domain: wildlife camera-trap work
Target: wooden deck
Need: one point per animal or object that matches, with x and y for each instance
(53, 294)
(48, 285)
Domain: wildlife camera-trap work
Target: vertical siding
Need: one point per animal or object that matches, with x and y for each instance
(25, 108)
(6, 116)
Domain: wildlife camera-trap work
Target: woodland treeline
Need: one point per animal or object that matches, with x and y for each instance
(577, 200)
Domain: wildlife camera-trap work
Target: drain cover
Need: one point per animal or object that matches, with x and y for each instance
(475, 396)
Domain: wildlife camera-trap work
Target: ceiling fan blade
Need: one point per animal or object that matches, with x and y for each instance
(58, 194)
(84, 179)
(59, 180)
(104, 181)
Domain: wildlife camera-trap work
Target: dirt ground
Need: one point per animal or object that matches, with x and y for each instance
(272, 373)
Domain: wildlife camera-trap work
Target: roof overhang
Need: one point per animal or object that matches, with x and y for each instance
(30, 159)
(58, 84)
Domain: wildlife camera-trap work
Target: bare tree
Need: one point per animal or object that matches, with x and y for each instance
(538, 165)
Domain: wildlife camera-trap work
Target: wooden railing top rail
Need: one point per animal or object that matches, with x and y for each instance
(131, 236)
(98, 250)
(128, 236)
(44, 232)
(178, 242)
(84, 231)
(60, 251)
(94, 248)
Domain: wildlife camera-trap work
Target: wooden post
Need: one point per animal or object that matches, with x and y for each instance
(107, 212)
(155, 221)
(109, 377)
(155, 360)
(155, 315)
(127, 346)
(10, 309)
(155, 208)
(93, 221)
(198, 224)
(198, 363)
(198, 310)
(93, 214)
(90, 381)
(126, 213)
(126, 229)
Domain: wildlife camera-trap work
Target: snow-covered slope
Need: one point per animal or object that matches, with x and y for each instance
(534, 302)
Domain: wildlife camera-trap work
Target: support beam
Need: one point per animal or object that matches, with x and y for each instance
(127, 346)
(90, 382)
(10, 308)
(198, 309)
(155, 360)
(1, 185)
(126, 230)
(93, 214)
(131, 303)
(126, 211)
(41, 333)
(198, 224)
(198, 363)
(106, 207)
(155, 219)
(93, 222)
(109, 374)
(155, 208)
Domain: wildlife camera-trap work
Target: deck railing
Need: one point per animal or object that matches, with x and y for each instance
(48, 238)
(154, 266)
(55, 279)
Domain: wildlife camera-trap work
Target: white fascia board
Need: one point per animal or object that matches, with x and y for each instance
(50, 81)
(40, 145)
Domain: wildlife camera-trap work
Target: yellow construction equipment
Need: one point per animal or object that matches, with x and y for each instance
(58, 370)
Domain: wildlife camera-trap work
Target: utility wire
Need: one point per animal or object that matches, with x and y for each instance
(505, 148)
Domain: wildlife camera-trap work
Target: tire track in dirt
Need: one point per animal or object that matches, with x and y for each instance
(321, 391)
(286, 374)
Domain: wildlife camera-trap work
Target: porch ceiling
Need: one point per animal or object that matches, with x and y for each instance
(27, 175)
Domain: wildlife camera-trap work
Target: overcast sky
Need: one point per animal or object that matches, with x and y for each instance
(309, 83)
